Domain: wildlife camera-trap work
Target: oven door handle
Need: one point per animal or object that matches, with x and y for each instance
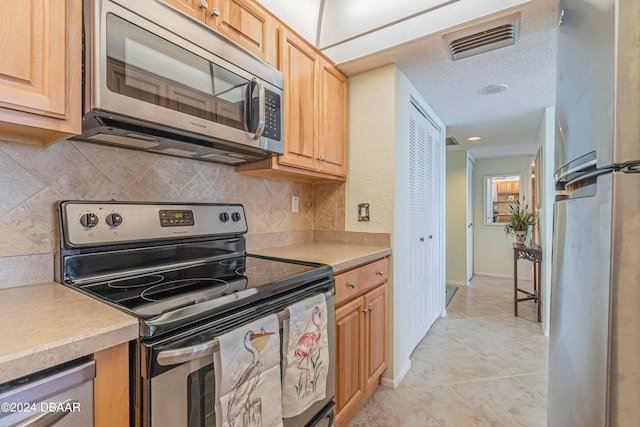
(195, 352)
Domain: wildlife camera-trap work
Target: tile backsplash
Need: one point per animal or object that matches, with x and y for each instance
(33, 178)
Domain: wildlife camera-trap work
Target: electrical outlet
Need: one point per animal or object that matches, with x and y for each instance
(294, 203)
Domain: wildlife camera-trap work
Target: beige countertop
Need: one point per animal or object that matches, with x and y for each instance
(340, 256)
(46, 324)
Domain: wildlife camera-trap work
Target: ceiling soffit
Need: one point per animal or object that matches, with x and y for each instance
(348, 29)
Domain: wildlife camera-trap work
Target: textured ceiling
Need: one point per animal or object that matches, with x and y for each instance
(509, 121)
(409, 34)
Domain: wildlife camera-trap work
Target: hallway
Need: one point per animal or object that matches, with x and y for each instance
(479, 366)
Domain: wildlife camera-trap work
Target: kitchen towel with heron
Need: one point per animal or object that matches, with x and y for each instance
(247, 374)
(306, 355)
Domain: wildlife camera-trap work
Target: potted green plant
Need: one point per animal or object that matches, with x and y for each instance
(521, 220)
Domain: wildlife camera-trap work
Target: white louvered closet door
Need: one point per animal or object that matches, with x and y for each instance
(424, 208)
(435, 290)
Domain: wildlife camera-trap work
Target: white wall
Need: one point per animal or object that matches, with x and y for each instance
(493, 250)
(456, 183)
(546, 137)
(379, 175)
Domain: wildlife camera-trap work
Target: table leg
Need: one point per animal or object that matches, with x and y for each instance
(538, 299)
(515, 284)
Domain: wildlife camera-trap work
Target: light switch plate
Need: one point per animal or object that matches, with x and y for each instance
(294, 203)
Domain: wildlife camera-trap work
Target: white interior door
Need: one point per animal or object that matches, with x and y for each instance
(424, 218)
(436, 289)
(469, 218)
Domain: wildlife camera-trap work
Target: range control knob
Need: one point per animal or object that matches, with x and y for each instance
(224, 217)
(89, 220)
(235, 216)
(114, 219)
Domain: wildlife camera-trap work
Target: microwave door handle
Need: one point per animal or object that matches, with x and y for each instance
(261, 109)
(195, 352)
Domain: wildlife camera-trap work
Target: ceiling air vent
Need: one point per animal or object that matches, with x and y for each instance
(451, 140)
(484, 37)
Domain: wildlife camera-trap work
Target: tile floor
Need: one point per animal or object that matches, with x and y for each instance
(479, 366)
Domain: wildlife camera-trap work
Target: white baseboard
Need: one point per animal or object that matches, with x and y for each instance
(395, 382)
(457, 283)
(500, 276)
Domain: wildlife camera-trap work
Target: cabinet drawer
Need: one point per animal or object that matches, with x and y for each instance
(359, 280)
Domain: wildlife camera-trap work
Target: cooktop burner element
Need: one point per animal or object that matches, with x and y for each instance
(167, 290)
(135, 282)
(167, 276)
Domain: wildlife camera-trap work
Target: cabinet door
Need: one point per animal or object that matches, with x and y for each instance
(299, 66)
(194, 8)
(332, 106)
(32, 35)
(375, 303)
(349, 357)
(40, 83)
(243, 22)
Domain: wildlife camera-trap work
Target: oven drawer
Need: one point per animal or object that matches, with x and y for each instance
(359, 280)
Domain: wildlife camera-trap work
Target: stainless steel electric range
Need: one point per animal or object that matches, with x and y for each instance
(183, 271)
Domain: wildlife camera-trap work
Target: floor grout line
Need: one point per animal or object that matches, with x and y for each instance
(480, 393)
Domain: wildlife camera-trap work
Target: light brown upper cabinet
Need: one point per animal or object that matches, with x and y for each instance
(332, 107)
(315, 116)
(40, 70)
(242, 21)
(299, 64)
(247, 24)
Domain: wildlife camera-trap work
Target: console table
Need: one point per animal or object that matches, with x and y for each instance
(533, 254)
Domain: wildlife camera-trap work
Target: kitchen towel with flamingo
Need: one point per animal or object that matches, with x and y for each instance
(247, 374)
(306, 355)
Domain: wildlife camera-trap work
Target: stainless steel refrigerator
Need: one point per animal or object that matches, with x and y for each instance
(594, 356)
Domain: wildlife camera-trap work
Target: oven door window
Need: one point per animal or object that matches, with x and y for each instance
(148, 68)
(201, 398)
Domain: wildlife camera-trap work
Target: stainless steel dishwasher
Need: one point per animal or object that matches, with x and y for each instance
(61, 396)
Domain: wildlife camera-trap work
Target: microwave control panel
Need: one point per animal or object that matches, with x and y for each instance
(273, 116)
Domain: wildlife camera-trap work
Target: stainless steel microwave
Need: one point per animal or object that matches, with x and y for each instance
(156, 79)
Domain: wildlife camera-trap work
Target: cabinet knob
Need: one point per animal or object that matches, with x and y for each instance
(204, 4)
(380, 273)
(215, 12)
(352, 285)
(366, 310)
(431, 236)
(422, 239)
(321, 158)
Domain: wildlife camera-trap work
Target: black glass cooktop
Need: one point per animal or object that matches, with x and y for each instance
(222, 282)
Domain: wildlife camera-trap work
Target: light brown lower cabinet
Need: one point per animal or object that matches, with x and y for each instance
(361, 336)
(111, 387)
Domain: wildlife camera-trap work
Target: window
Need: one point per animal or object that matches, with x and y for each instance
(501, 193)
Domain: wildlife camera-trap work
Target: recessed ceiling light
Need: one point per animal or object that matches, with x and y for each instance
(474, 138)
(493, 89)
